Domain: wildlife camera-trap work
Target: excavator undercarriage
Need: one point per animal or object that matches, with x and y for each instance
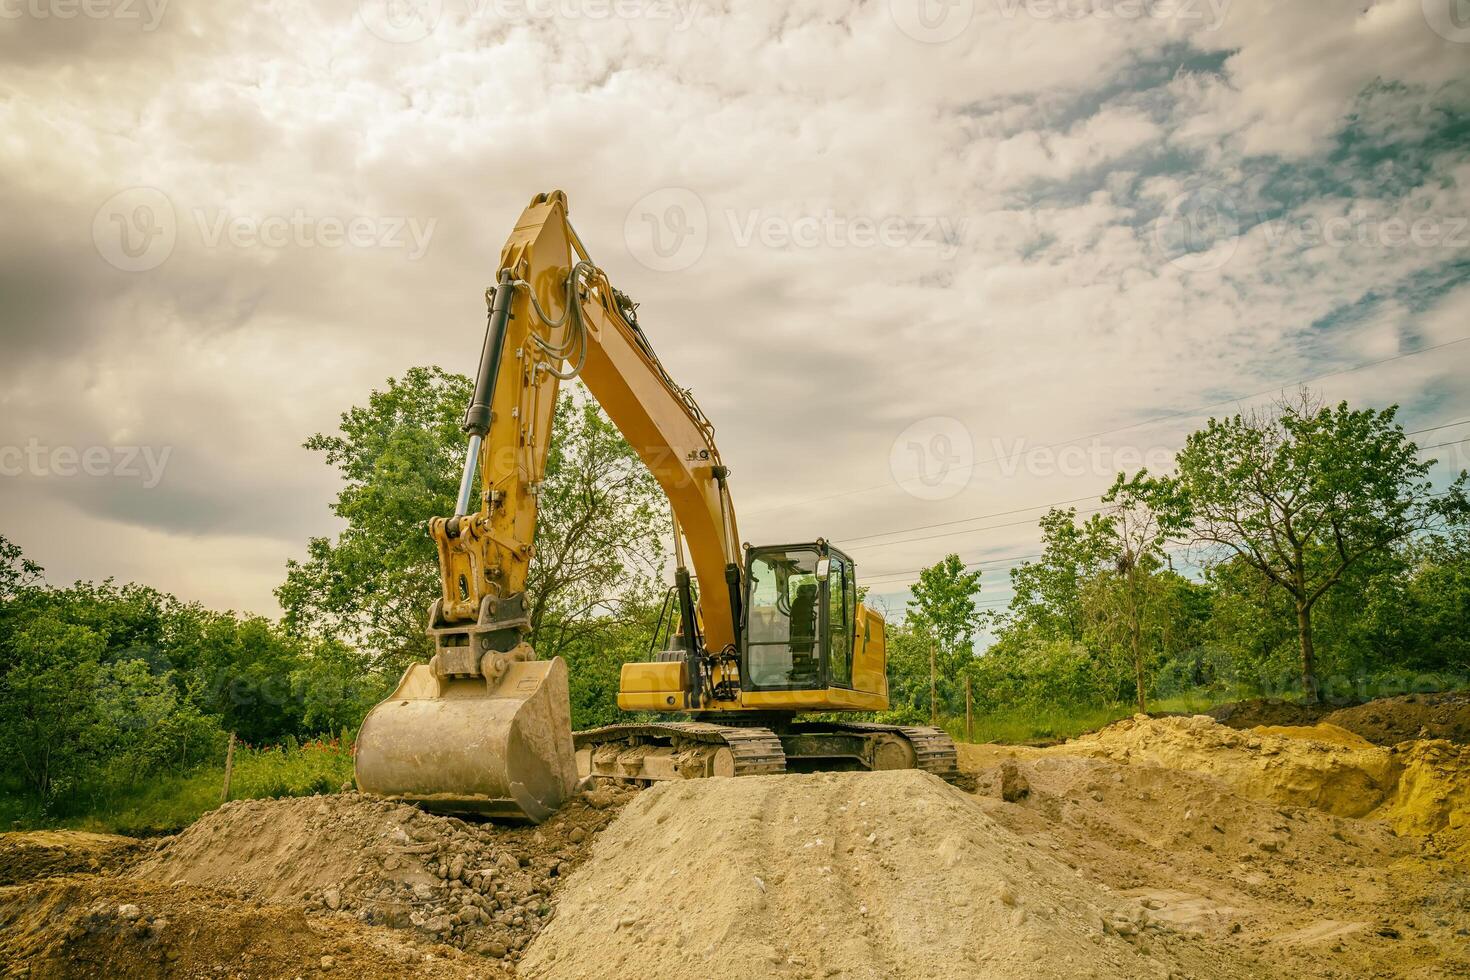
(757, 746)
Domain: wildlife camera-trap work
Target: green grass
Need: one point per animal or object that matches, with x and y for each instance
(1017, 726)
(164, 803)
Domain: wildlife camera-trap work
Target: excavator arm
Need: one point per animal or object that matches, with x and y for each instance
(484, 726)
(554, 315)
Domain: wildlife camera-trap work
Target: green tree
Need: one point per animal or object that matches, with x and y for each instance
(1303, 494)
(17, 572)
(399, 457)
(599, 534)
(943, 613)
(50, 725)
(597, 538)
(1048, 600)
(1128, 604)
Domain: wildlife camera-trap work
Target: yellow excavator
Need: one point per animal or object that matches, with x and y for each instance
(756, 636)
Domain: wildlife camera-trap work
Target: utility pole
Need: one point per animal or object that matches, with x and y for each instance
(224, 795)
(933, 700)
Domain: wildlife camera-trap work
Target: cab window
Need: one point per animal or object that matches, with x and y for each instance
(782, 620)
(839, 624)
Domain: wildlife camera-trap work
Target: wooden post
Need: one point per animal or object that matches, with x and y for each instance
(224, 795)
(969, 717)
(933, 699)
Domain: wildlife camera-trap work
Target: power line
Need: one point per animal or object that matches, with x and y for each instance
(1001, 562)
(894, 577)
(847, 542)
(966, 520)
(972, 530)
(1134, 425)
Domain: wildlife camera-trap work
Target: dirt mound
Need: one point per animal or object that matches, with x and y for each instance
(1389, 721)
(1332, 773)
(1432, 796)
(881, 875)
(1316, 895)
(1386, 721)
(90, 927)
(481, 887)
(1268, 711)
(48, 853)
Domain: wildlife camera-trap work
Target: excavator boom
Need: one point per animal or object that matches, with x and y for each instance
(485, 726)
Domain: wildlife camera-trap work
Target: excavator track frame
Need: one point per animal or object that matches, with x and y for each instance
(656, 751)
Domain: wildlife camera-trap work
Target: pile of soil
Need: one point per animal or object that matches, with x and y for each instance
(1389, 721)
(1432, 796)
(1333, 771)
(1268, 711)
(50, 853)
(476, 886)
(862, 875)
(1312, 894)
(1386, 721)
(116, 928)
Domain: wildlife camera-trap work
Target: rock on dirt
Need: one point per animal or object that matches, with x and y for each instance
(882, 875)
(477, 886)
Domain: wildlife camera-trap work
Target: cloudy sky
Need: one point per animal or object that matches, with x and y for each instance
(929, 265)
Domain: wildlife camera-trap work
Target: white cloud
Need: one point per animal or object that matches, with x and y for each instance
(1055, 313)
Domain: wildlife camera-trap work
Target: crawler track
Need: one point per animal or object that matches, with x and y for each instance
(933, 747)
(757, 751)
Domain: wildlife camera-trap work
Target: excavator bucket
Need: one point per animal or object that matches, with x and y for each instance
(464, 746)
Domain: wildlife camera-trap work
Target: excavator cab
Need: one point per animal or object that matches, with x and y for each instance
(800, 617)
